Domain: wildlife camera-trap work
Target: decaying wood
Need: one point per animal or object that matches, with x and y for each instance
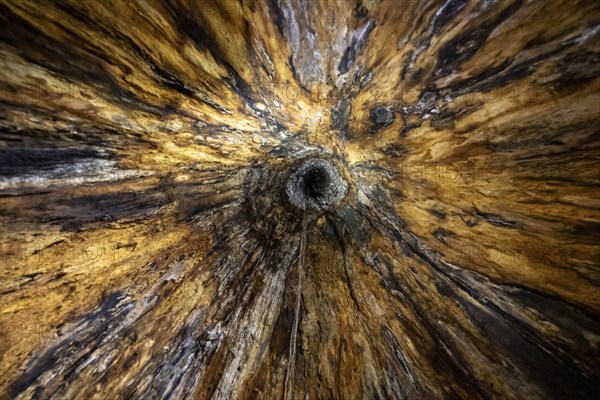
(150, 250)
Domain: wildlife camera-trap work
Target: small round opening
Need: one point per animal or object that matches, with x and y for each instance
(382, 116)
(316, 184)
(316, 181)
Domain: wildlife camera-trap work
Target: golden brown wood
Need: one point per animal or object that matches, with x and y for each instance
(150, 250)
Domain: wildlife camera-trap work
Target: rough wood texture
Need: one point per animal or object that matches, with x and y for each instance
(150, 250)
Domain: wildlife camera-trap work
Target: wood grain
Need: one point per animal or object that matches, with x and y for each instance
(150, 251)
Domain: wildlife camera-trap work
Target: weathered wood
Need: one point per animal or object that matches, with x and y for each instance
(150, 250)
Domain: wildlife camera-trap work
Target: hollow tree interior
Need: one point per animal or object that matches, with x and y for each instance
(299, 199)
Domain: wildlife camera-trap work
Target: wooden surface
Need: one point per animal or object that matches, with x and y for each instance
(149, 250)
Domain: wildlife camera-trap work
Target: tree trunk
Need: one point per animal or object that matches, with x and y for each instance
(300, 199)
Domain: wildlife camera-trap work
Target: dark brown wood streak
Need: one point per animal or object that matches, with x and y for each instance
(155, 244)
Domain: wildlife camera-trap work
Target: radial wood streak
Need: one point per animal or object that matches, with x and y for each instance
(149, 248)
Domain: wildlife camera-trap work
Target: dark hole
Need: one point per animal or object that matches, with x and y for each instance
(316, 181)
(381, 115)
